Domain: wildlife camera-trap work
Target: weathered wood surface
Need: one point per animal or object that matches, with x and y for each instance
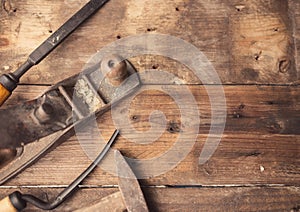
(183, 199)
(295, 14)
(248, 42)
(262, 132)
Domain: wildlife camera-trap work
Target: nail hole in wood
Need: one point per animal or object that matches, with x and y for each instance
(118, 37)
(134, 117)
(257, 56)
(177, 9)
(239, 8)
(151, 29)
(237, 115)
(155, 66)
(50, 31)
(171, 130)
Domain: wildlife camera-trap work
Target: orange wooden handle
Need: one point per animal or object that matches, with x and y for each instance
(7, 206)
(4, 94)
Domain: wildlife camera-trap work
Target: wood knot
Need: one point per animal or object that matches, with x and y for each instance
(276, 126)
(208, 169)
(283, 65)
(7, 7)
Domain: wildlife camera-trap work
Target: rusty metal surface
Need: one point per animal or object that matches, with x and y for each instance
(39, 125)
(63, 104)
(29, 153)
(21, 124)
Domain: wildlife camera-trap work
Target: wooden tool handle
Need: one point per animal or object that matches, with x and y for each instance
(13, 203)
(7, 206)
(4, 94)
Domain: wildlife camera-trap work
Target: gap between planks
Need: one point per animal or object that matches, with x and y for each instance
(157, 186)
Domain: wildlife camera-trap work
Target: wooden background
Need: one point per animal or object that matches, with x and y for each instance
(255, 48)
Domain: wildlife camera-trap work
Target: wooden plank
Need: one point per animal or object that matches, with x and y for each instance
(256, 164)
(113, 202)
(263, 45)
(260, 144)
(294, 8)
(239, 160)
(263, 109)
(182, 199)
(247, 42)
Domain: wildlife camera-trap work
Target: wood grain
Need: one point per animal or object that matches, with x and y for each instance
(260, 144)
(113, 202)
(254, 47)
(246, 41)
(294, 8)
(182, 199)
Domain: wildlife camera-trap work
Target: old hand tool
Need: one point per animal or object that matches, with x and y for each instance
(18, 201)
(8, 82)
(41, 124)
(66, 102)
(130, 197)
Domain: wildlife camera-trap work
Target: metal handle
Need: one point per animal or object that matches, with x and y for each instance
(17, 201)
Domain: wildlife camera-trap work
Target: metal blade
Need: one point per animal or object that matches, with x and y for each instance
(42, 137)
(129, 186)
(30, 153)
(10, 81)
(32, 120)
